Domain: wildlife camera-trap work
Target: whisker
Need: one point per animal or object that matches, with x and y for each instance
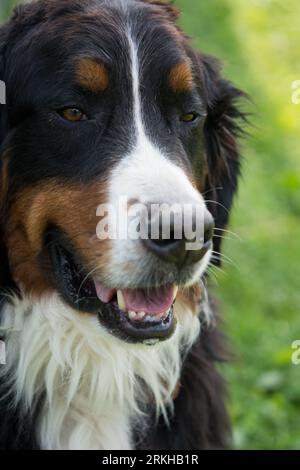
(225, 259)
(210, 190)
(218, 203)
(225, 238)
(213, 275)
(86, 277)
(229, 232)
(222, 271)
(205, 303)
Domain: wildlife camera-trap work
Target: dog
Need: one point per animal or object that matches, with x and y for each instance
(111, 343)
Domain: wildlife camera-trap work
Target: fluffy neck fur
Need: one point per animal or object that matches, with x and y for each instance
(94, 386)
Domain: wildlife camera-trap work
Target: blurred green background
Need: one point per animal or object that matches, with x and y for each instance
(259, 43)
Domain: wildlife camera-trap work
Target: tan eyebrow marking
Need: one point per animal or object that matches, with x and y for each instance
(181, 78)
(92, 75)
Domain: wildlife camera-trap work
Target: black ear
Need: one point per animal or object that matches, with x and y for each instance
(23, 19)
(2, 82)
(224, 126)
(2, 111)
(4, 270)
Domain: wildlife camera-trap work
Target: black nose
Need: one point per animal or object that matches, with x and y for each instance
(176, 248)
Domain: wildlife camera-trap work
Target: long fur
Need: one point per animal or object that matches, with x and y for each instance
(85, 378)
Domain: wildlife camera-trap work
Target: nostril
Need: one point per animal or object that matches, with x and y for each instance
(170, 250)
(165, 243)
(170, 239)
(165, 240)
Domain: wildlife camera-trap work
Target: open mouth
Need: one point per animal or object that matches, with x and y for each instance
(142, 314)
(134, 315)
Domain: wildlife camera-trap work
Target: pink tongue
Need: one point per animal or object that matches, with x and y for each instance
(151, 301)
(104, 294)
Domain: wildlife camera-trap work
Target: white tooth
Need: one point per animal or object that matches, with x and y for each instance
(132, 315)
(175, 292)
(151, 342)
(140, 315)
(121, 300)
(164, 315)
(148, 318)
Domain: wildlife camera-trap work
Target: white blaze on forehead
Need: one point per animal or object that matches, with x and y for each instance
(135, 70)
(146, 174)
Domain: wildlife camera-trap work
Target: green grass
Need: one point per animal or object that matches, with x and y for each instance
(259, 44)
(258, 41)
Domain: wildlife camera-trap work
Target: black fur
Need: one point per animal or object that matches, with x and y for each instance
(30, 55)
(200, 419)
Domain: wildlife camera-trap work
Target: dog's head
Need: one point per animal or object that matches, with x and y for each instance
(109, 109)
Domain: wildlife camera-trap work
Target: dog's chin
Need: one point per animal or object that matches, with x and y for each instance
(139, 315)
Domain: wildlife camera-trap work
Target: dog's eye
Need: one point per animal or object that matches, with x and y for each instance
(73, 114)
(189, 117)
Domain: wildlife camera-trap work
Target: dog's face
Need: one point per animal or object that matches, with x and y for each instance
(107, 104)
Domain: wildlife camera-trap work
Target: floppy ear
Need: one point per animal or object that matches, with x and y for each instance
(224, 126)
(24, 17)
(4, 271)
(2, 82)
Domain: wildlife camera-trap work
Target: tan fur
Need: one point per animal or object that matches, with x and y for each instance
(73, 209)
(190, 298)
(92, 75)
(181, 78)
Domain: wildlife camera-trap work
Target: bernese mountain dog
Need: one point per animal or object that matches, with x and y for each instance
(113, 342)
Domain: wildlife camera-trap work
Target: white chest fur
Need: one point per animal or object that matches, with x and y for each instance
(93, 384)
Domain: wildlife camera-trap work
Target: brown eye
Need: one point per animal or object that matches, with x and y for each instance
(73, 114)
(189, 117)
